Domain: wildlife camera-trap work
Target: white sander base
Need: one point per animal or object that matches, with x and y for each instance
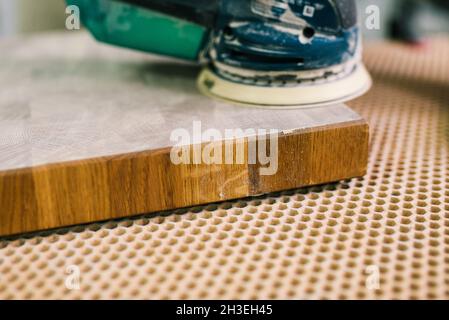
(289, 97)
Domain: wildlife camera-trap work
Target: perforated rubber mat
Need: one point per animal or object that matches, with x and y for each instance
(382, 236)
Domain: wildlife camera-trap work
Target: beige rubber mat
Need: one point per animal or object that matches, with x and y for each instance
(384, 236)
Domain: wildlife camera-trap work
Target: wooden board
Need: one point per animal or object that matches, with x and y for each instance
(85, 136)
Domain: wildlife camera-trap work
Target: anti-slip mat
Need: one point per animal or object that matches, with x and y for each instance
(382, 236)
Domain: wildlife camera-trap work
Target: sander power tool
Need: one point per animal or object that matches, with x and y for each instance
(276, 53)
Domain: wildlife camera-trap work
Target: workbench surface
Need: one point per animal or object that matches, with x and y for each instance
(320, 242)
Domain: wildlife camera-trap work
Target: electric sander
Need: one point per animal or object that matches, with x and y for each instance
(277, 53)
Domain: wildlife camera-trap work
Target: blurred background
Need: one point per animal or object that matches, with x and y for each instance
(25, 16)
(424, 16)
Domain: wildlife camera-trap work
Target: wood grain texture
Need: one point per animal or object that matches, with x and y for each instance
(85, 136)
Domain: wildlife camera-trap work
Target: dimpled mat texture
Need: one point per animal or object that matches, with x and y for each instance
(382, 236)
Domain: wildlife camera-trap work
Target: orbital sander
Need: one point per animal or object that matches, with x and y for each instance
(277, 53)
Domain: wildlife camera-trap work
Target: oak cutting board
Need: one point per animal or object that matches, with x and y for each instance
(85, 135)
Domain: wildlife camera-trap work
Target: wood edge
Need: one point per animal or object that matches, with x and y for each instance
(28, 173)
(358, 171)
(146, 153)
